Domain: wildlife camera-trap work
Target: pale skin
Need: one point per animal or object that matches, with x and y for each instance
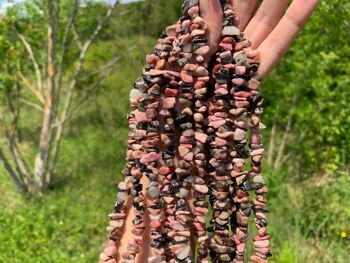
(271, 26)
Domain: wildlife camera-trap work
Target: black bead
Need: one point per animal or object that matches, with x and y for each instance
(163, 35)
(257, 186)
(247, 211)
(247, 186)
(137, 220)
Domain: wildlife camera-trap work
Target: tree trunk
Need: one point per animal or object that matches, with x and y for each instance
(278, 161)
(279, 157)
(41, 163)
(271, 145)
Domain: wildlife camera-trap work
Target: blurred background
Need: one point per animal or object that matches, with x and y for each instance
(307, 114)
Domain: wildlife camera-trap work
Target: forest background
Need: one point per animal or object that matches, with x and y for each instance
(307, 114)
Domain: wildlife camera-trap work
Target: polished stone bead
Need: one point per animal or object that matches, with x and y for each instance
(231, 31)
(202, 50)
(183, 252)
(187, 4)
(153, 192)
(201, 188)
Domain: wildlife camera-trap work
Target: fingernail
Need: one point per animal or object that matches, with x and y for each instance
(253, 53)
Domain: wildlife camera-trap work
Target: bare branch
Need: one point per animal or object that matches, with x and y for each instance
(97, 30)
(76, 37)
(125, 12)
(88, 43)
(21, 187)
(33, 60)
(14, 107)
(32, 104)
(108, 66)
(17, 157)
(105, 67)
(64, 43)
(299, 140)
(302, 135)
(82, 56)
(27, 84)
(11, 135)
(5, 131)
(65, 118)
(277, 163)
(271, 145)
(85, 97)
(284, 159)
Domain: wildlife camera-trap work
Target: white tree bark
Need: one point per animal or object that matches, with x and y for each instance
(41, 161)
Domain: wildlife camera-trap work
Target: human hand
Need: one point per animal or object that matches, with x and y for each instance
(271, 27)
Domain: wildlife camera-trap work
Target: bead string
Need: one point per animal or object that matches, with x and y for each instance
(182, 108)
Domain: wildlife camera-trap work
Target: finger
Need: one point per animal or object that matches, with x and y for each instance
(193, 236)
(265, 20)
(145, 252)
(129, 226)
(109, 243)
(211, 12)
(277, 43)
(124, 234)
(245, 10)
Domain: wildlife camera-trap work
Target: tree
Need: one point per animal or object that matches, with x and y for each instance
(44, 71)
(311, 132)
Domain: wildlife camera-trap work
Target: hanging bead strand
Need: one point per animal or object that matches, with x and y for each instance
(221, 130)
(261, 241)
(192, 102)
(184, 122)
(137, 150)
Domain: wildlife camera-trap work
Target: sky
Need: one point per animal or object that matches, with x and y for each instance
(111, 1)
(4, 3)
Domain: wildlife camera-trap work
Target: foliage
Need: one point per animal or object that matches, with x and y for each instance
(316, 70)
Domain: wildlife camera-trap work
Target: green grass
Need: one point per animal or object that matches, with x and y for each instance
(305, 220)
(68, 223)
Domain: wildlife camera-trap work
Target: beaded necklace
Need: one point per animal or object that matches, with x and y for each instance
(194, 128)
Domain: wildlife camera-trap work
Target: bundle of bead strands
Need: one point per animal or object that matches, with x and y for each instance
(193, 128)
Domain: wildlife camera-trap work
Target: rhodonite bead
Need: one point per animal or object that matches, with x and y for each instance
(194, 130)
